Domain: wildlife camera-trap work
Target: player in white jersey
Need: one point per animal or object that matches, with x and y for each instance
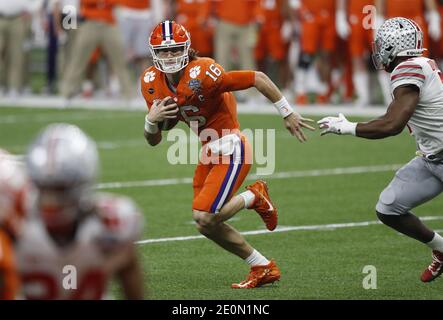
(417, 89)
(75, 240)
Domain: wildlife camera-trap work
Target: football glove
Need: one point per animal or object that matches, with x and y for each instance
(337, 125)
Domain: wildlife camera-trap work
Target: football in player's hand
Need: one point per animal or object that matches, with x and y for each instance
(168, 124)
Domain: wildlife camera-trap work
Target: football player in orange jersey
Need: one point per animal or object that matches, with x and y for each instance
(13, 188)
(352, 23)
(203, 97)
(194, 15)
(318, 36)
(273, 42)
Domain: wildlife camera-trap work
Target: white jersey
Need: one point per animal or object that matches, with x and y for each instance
(83, 268)
(426, 123)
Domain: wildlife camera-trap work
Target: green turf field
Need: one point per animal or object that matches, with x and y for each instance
(320, 263)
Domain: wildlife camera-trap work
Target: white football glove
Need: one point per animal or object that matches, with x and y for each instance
(341, 24)
(337, 125)
(434, 25)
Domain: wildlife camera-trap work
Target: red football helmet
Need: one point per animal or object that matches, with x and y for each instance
(169, 45)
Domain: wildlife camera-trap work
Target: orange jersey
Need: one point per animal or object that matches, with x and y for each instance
(270, 39)
(203, 93)
(404, 8)
(98, 10)
(194, 15)
(136, 4)
(355, 7)
(192, 12)
(317, 26)
(8, 274)
(237, 12)
(411, 9)
(361, 38)
(317, 6)
(271, 10)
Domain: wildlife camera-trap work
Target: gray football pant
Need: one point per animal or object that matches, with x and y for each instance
(13, 32)
(415, 183)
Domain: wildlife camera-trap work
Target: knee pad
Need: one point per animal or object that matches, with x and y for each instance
(387, 203)
(305, 60)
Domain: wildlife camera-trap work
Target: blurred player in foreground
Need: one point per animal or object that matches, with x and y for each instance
(203, 99)
(74, 240)
(417, 88)
(13, 191)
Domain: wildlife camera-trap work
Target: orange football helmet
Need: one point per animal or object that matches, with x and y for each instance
(169, 45)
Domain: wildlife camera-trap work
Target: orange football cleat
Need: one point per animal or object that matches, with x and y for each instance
(263, 204)
(259, 275)
(435, 269)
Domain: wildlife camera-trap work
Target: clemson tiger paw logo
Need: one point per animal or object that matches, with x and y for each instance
(149, 76)
(194, 72)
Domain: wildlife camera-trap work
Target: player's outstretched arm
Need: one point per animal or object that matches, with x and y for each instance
(293, 121)
(158, 112)
(390, 124)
